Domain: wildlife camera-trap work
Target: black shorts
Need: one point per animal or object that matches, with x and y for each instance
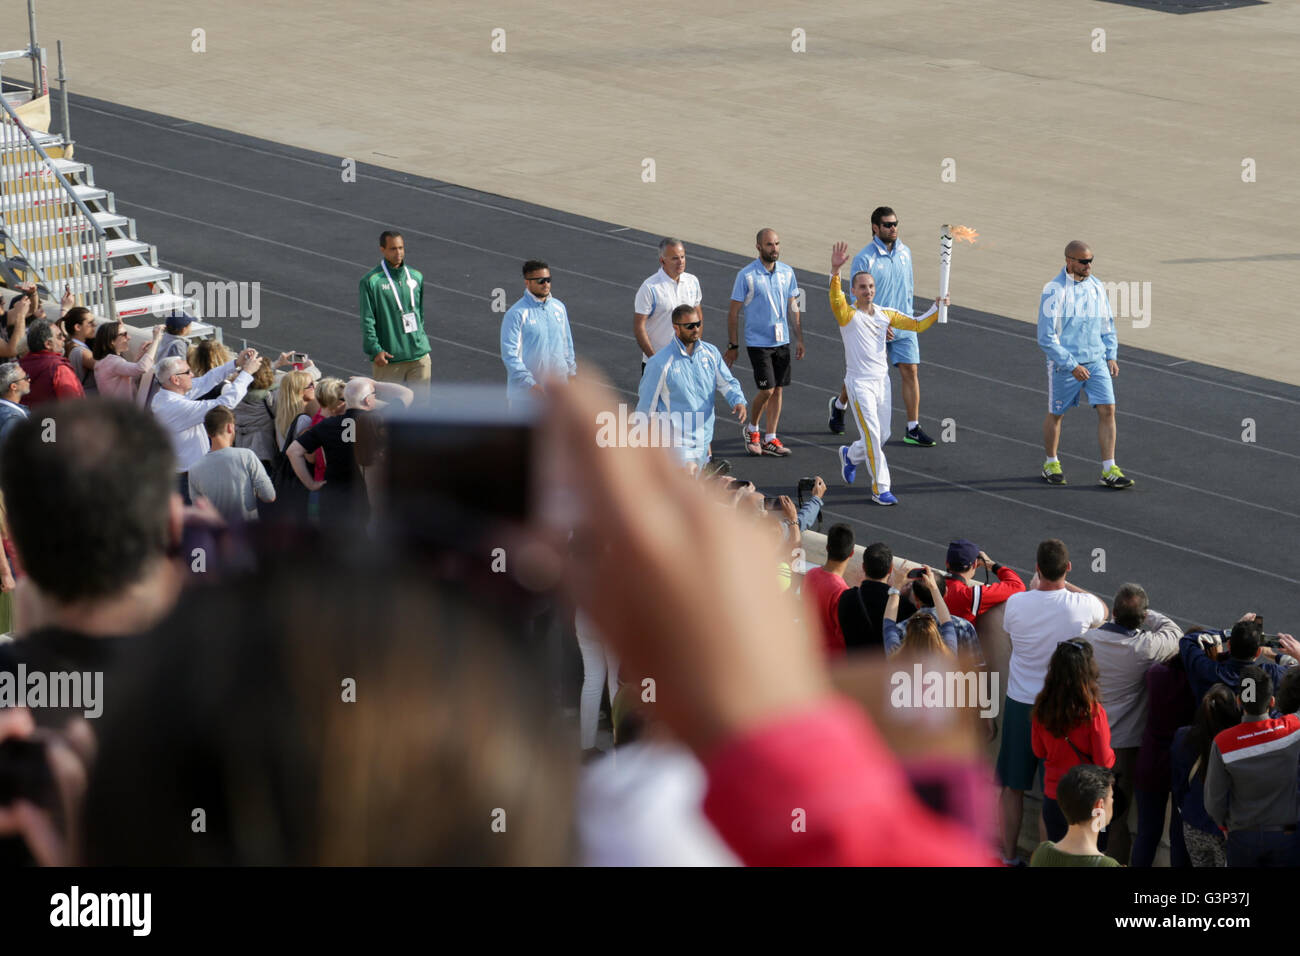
(771, 366)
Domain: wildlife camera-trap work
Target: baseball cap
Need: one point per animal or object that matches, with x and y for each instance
(962, 554)
(176, 322)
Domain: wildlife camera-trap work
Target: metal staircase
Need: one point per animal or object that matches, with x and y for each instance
(59, 229)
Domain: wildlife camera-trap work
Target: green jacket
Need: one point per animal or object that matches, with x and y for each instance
(381, 317)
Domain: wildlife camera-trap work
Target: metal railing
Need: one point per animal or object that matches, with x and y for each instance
(50, 235)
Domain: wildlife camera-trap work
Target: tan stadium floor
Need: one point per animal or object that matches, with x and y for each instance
(1138, 149)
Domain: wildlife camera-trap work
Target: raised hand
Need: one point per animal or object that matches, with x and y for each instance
(839, 256)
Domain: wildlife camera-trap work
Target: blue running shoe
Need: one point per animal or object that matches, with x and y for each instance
(848, 470)
(884, 498)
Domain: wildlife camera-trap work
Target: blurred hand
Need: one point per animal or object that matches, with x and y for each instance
(798, 350)
(1289, 645)
(158, 331)
(1081, 373)
(1114, 368)
(383, 358)
(819, 487)
(788, 509)
(725, 655)
(203, 514)
(252, 362)
(7, 582)
(1248, 616)
(740, 411)
(50, 837)
(68, 300)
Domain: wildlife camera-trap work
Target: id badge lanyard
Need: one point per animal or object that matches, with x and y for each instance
(408, 317)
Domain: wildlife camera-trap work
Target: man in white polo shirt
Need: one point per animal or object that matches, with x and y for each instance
(659, 295)
(1051, 611)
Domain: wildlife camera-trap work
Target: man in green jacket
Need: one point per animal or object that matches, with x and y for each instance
(392, 318)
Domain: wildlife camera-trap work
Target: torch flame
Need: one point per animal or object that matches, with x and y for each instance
(965, 232)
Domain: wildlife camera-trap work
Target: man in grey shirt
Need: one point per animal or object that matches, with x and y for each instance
(233, 479)
(1125, 648)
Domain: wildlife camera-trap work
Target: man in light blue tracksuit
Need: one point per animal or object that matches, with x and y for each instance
(1076, 330)
(536, 342)
(678, 386)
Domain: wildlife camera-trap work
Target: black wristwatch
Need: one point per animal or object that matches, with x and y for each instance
(732, 345)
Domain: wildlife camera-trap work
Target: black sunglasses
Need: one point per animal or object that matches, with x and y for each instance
(889, 225)
(1082, 262)
(541, 279)
(688, 325)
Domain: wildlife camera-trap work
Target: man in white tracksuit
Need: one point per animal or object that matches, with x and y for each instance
(864, 327)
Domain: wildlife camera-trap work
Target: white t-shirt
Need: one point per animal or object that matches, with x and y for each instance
(657, 298)
(1037, 621)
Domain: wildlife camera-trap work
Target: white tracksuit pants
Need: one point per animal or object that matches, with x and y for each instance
(870, 401)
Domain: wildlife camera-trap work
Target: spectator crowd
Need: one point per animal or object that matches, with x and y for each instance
(1133, 729)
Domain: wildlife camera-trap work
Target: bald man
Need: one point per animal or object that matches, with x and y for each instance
(769, 293)
(1076, 330)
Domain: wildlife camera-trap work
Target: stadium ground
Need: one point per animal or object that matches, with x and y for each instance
(1208, 529)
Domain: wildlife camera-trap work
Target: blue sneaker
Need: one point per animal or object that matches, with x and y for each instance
(884, 498)
(848, 470)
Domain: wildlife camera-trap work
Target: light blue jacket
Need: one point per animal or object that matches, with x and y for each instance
(536, 343)
(1075, 324)
(681, 385)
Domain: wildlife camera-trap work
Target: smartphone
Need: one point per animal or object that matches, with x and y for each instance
(459, 465)
(771, 503)
(25, 774)
(298, 358)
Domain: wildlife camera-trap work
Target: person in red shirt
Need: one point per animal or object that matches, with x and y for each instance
(825, 585)
(52, 375)
(968, 599)
(1069, 725)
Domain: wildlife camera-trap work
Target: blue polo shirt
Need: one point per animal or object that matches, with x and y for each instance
(892, 270)
(766, 297)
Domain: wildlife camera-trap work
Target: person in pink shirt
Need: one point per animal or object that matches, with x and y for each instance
(115, 375)
(825, 585)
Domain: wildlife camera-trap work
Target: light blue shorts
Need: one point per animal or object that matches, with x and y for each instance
(903, 349)
(1063, 388)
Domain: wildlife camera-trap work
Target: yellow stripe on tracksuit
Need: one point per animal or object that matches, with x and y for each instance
(867, 439)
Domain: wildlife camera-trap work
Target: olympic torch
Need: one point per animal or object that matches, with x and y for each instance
(945, 266)
(945, 259)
